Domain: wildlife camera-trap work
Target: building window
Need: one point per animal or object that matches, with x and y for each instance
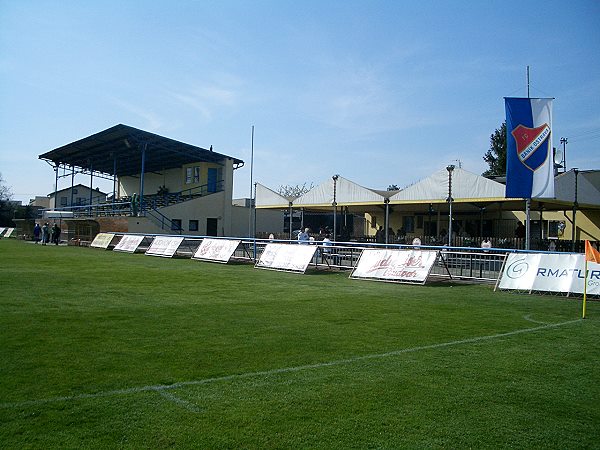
(176, 224)
(188, 175)
(556, 228)
(420, 222)
(63, 201)
(408, 222)
(74, 190)
(193, 225)
(196, 174)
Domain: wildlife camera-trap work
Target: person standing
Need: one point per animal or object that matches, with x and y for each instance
(45, 234)
(37, 231)
(135, 203)
(55, 234)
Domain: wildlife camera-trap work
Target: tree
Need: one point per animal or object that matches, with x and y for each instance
(496, 155)
(6, 208)
(5, 192)
(393, 187)
(290, 191)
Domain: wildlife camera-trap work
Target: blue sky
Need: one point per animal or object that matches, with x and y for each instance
(380, 92)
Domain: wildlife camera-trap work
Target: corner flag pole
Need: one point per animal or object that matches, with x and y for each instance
(584, 288)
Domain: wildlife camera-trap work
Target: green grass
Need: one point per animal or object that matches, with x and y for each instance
(89, 340)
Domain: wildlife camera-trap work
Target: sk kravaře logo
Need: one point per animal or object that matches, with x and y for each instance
(532, 145)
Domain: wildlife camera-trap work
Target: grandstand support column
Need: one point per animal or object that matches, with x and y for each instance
(142, 170)
(72, 183)
(55, 184)
(387, 219)
(290, 222)
(527, 223)
(114, 178)
(575, 206)
(91, 186)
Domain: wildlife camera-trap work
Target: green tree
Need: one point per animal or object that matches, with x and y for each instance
(496, 155)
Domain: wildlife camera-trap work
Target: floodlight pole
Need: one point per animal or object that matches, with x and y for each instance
(450, 169)
(251, 182)
(334, 204)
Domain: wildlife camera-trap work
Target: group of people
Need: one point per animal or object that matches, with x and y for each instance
(46, 233)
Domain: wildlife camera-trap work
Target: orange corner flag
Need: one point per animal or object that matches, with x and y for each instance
(591, 254)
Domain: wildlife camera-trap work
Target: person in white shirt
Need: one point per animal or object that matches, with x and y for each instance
(303, 236)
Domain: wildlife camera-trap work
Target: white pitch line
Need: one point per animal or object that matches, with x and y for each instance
(163, 387)
(529, 319)
(179, 401)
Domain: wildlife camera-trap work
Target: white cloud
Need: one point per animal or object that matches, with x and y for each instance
(152, 121)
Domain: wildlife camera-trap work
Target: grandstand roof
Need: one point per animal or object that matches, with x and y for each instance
(124, 144)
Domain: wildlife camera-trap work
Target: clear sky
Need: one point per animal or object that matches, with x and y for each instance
(380, 92)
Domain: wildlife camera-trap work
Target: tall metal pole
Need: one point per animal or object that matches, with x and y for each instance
(335, 178)
(564, 141)
(528, 82)
(72, 183)
(575, 206)
(527, 223)
(91, 185)
(55, 185)
(251, 181)
(290, 222)
(114, 178)
(450, 169)
(387, 219)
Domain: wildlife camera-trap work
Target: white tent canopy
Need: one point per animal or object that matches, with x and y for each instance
(267, 198)
(466, 186)
(588, 187)
(346, 194)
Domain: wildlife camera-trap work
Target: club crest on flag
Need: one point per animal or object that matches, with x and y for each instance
(532, 145)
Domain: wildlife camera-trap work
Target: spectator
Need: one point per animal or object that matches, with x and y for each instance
(45, 233)
(37, 231)
(520, 230)
(303, 236)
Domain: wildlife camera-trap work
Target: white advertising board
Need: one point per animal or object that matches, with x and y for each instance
(9, 232)
(102, 240)
(395, 265)
(549, 273)
(292, 257)
(217, 250)
(164, 246)
(129, 243)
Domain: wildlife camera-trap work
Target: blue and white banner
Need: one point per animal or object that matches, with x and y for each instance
(529, 154)
(556, 272)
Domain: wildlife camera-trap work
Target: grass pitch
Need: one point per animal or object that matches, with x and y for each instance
(107, 350)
